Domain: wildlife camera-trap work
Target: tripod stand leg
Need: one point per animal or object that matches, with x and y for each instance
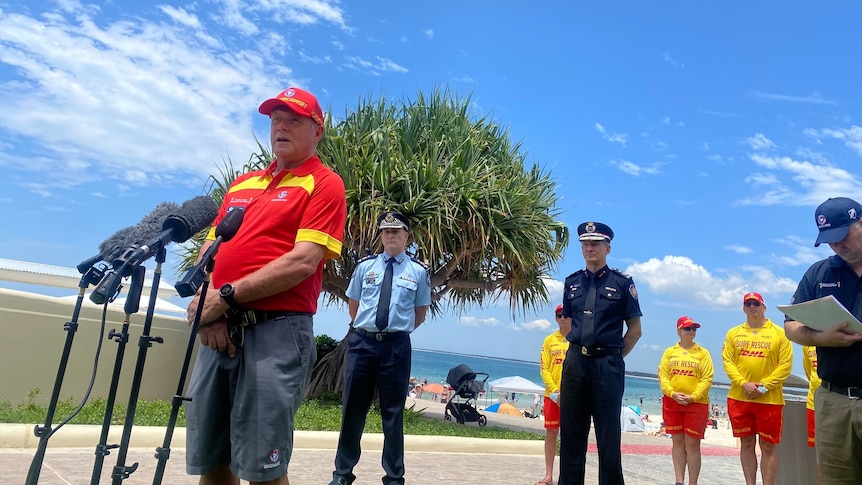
(44, 432)
(163, 453)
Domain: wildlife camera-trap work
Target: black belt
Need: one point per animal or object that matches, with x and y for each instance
(850, 392)
(253, 317)
(595, 351)
(380, 336)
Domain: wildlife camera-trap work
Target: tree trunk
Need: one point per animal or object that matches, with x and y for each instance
(328, 374)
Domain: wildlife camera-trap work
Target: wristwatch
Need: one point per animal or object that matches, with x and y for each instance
(226, 293)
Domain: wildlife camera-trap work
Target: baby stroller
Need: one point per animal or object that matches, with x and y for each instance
(466, 388)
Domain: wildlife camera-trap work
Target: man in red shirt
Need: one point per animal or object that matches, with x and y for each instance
(250, 376)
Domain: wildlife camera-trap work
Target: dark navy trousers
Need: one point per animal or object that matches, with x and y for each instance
(384, 365)
(591, 387)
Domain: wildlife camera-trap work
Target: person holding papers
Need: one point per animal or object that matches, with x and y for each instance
(838, 402)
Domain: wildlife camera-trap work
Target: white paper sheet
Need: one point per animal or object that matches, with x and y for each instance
(821, 314)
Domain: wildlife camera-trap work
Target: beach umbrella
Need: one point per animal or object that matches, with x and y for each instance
(432, 387)
(506, 408)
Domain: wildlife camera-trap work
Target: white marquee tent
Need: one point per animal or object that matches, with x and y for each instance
(515, 384)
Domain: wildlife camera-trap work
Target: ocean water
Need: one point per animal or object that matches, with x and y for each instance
(643, 392)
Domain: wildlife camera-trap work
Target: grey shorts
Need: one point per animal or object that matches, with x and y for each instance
(242, 409)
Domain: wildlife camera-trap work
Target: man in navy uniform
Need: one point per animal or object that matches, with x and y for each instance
(389, 295)
(838, 402)
(599, 300)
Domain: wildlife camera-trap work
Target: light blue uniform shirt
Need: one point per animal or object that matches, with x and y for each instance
(411, 288)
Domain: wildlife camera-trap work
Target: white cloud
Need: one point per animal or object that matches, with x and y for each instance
(145, 101)
(679, 279)
(632, 168)
(736, 248)
(429, 33)
(666, 120)
(852, 136)
(803, 251)
(478, 322)
(539, 324)
(813, 98)
(760, 142)
(180, 15)
(812, 182)
(620, 138)
(375, 68)
(670, 60)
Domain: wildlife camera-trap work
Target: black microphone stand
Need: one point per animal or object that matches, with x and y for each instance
(122, 337)
(90, 276)
(121, 471)
(163, 453)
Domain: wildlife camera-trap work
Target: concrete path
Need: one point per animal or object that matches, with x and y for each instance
(430, 460)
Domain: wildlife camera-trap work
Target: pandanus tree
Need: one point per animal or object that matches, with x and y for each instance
(484, 219)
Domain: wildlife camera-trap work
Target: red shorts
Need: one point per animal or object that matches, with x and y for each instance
(552, 414)
(750, 418)
(689, 419)
(810, 414)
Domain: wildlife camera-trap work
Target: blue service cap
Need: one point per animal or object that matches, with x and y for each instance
(393, 220)
(595, 231)
(834, 218)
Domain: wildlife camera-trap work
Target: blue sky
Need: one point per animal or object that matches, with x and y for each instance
(705, 134)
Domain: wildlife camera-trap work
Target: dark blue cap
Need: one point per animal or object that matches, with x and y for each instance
(595, 231)
(393, 220)
(834, 218)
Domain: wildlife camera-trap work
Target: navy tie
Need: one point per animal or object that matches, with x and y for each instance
(382, 319)
(588, 324)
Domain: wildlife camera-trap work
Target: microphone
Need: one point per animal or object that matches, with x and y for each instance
(192, 279)
(194, 216)
(113, 246)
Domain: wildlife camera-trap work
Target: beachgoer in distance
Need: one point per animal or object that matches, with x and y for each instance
(685, 377)
(757, 359)
(838, 401)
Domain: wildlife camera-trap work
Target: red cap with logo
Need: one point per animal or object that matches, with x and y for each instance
(686, 322)
(752, 295)
(559, 309)
(297, 100)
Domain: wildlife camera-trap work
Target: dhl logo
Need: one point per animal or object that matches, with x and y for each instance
(751, 353)
(683, 372)
(558, 361)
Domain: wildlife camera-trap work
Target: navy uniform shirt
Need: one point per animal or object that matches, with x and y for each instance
(411, 288)
(616, 301)
(832, 276)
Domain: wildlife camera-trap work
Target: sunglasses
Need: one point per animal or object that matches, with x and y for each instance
(559, 315)
(752, 303)
(689, 329)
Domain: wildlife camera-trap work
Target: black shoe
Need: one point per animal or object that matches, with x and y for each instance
(339, 481)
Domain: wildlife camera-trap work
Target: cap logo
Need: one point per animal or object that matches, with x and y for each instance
(290, 92)
(852, 213)
(590, 227)
(821, 222)
(389, 218)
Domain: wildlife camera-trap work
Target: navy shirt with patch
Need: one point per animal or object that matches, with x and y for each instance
(832, 276)
(616, 301)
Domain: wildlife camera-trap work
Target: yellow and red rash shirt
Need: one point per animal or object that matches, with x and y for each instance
(688, 371)
(763, 355)
(306, 203)
(809, 363)
(554, 350)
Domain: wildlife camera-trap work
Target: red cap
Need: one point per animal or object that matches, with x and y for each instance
(559, 309)
(297, 100)
(686, 322)
(752, 295)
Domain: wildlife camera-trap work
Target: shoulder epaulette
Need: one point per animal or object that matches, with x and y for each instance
(368, 258)
(420, 263)
(620, 272)
(576, 273)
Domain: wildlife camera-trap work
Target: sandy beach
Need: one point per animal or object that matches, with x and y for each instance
(721, 436)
